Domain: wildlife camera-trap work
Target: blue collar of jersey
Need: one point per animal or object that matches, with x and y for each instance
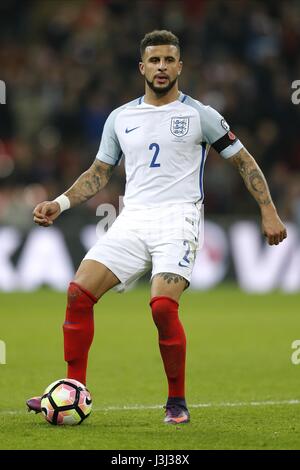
(181, 97)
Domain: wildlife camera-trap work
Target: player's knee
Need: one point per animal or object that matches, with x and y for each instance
(77, 294)
(163, 309)
(74, 291)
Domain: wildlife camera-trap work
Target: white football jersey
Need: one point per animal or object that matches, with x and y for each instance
(165, 149)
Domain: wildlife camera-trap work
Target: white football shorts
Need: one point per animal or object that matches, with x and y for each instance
(164, 239)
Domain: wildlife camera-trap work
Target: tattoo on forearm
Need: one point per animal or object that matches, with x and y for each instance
(89, 183)
(172, 278)
(253, 177)
(259, 186)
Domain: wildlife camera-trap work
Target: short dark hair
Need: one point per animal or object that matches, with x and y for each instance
(159, 38)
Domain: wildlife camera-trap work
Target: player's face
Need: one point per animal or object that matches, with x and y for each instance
(161, 66)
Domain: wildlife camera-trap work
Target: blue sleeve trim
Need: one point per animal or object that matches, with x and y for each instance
(119, 158)
(203, 155)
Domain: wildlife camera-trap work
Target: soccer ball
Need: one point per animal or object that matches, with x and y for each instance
(66, 401)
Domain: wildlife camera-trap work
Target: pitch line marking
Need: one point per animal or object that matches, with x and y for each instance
(198, 405)
(203, 405)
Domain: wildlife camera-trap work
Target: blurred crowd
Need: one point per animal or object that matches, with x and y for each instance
(68, 63)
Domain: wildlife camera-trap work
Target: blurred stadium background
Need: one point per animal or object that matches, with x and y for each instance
(67, 64)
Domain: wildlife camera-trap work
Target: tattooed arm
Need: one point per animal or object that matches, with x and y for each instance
(85, 187)
(272, 226)
(89, 183)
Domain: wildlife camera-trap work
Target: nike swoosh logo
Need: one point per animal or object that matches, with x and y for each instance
(189, 221)
(88, 401)
(183, 265)
(130, 130)
(179, 420)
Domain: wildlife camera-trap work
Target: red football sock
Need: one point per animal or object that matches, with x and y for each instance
(78, 331)
(172, 342)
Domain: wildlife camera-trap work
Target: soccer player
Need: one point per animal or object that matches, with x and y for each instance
(164, 137)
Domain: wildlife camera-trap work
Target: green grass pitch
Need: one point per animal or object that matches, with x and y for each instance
(242, 387)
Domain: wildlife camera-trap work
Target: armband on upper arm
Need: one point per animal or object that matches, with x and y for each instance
(224, 142)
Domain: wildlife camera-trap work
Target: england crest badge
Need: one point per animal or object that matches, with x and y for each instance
(179, 126)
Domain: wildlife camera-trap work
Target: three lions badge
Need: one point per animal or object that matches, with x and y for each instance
(179, 126)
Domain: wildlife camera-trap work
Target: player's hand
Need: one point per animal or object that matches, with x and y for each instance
(273, 228)
(45, 213)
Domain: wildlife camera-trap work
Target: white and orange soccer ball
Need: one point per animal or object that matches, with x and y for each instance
(66, 401)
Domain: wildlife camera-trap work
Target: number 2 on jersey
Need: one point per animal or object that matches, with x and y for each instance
(153, 163)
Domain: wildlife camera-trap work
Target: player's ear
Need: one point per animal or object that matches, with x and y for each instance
(180, 67)
(142, 68)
